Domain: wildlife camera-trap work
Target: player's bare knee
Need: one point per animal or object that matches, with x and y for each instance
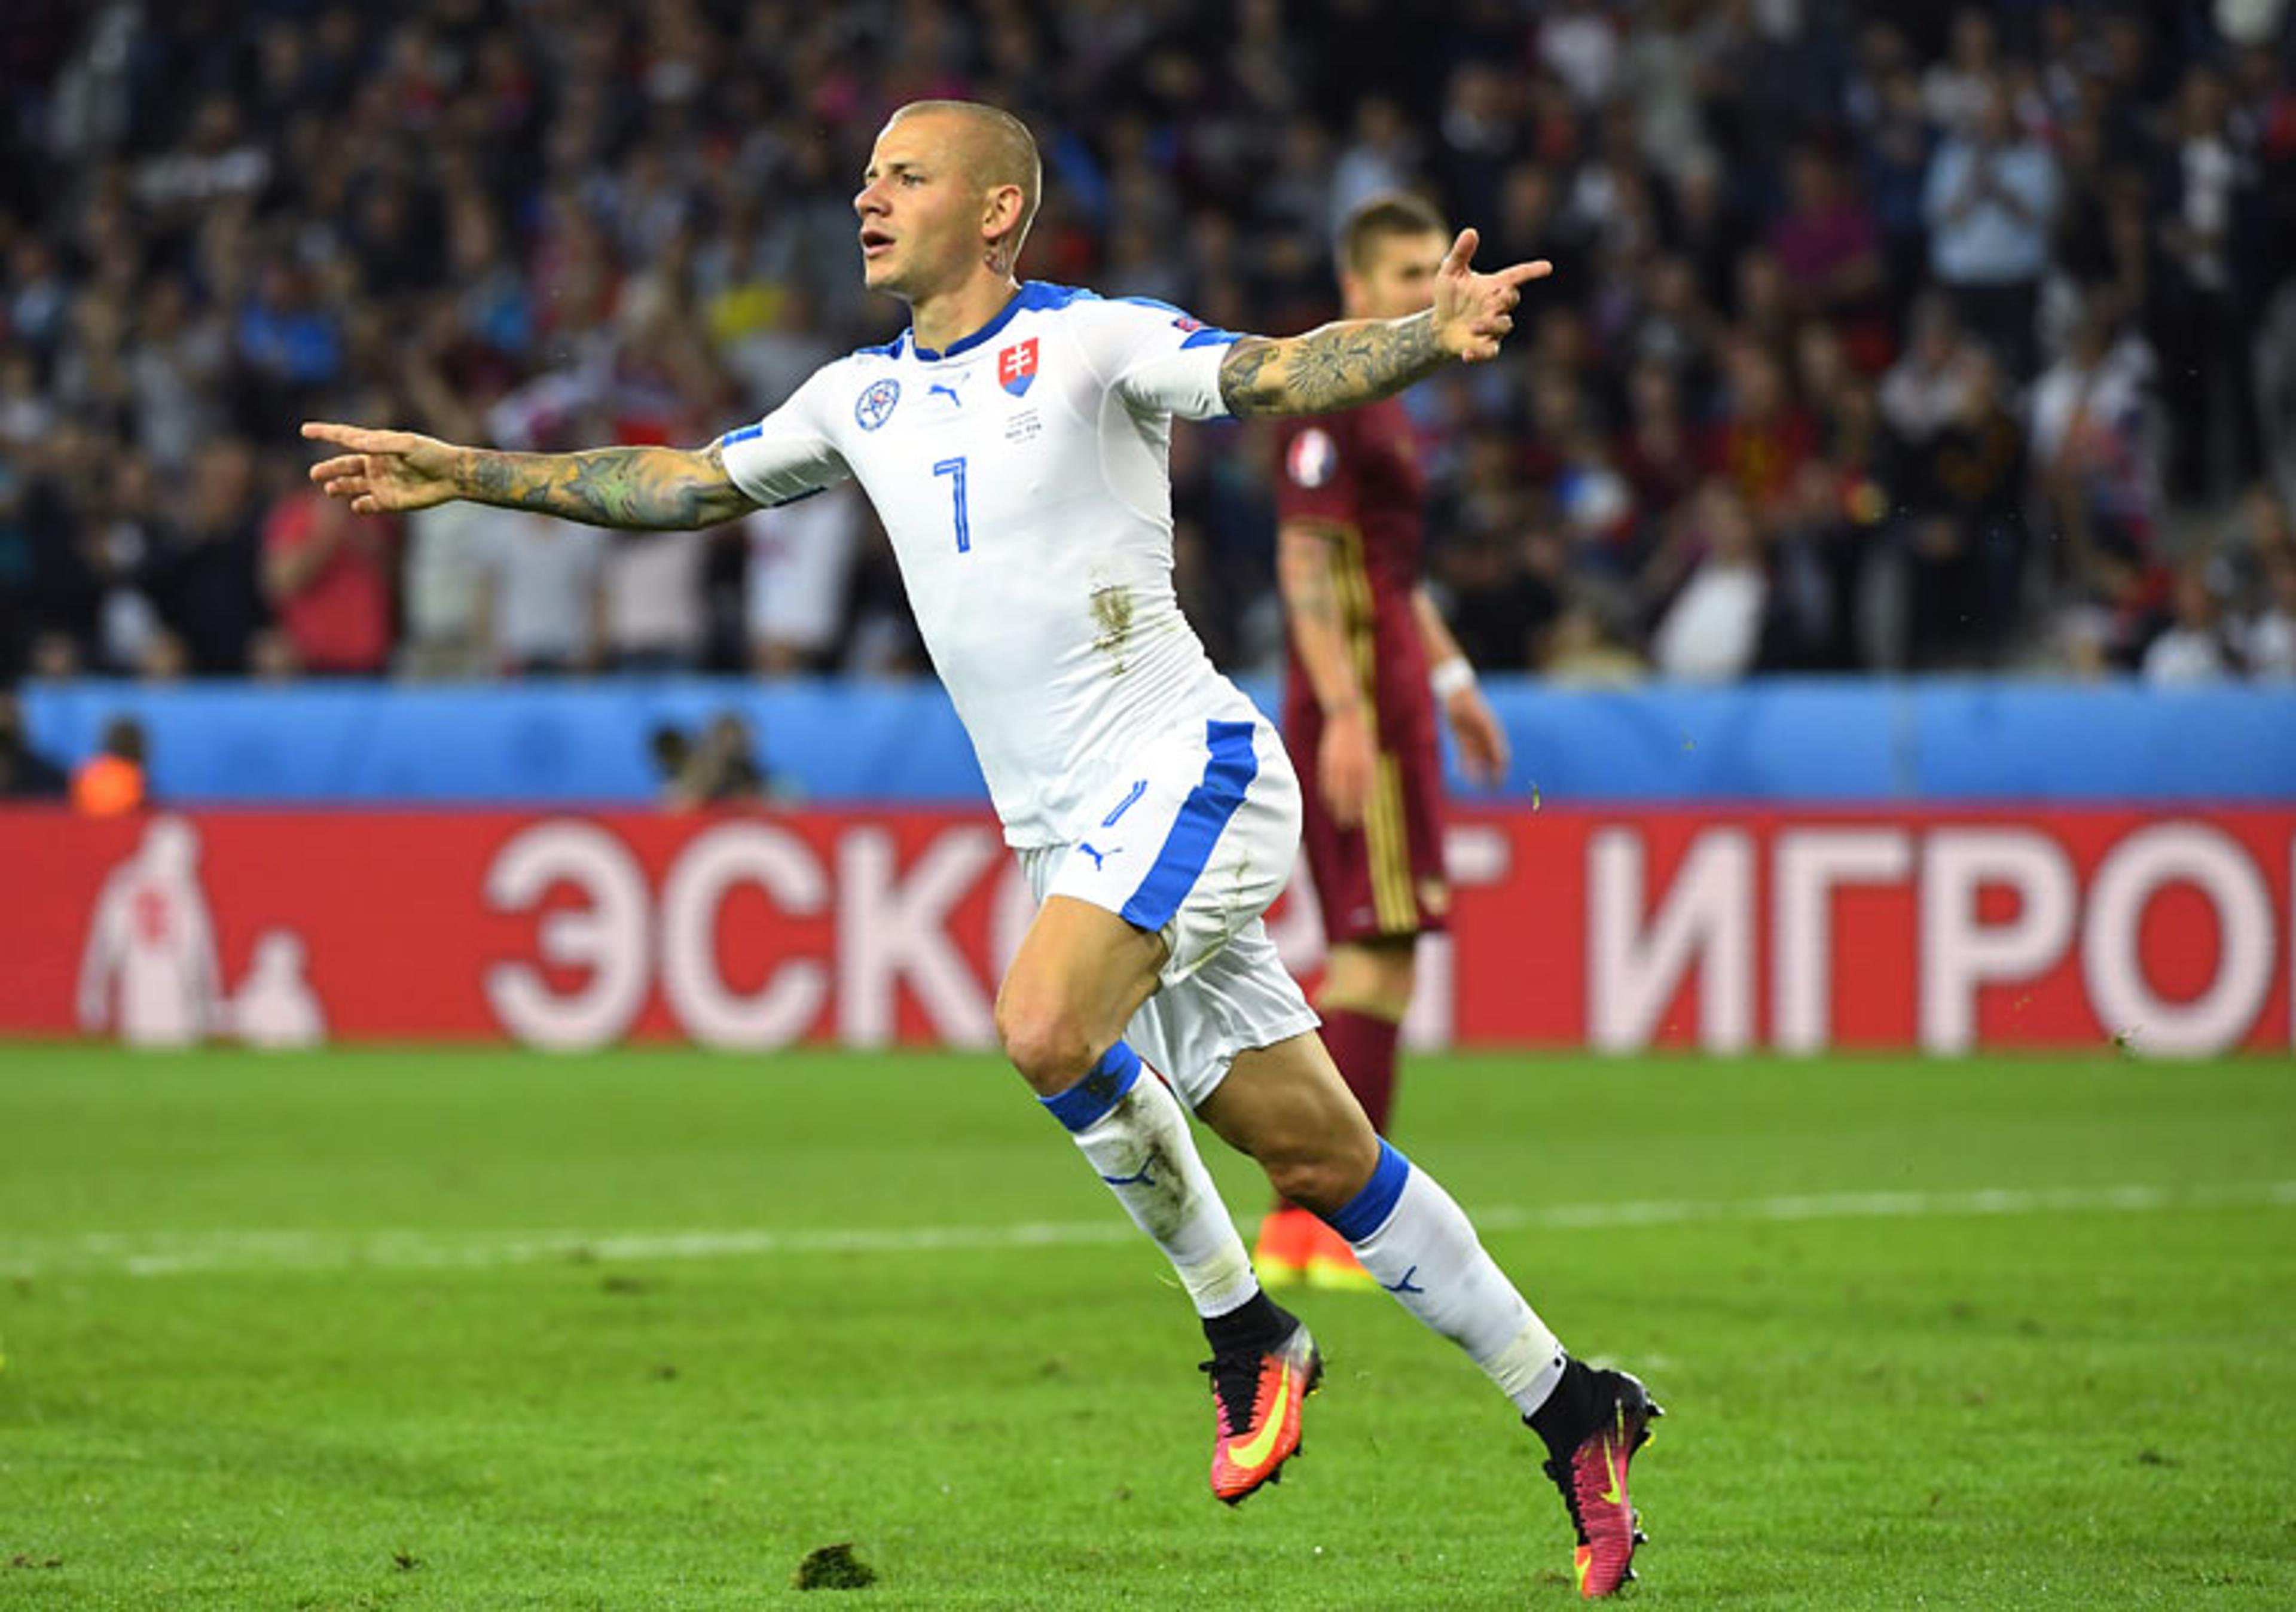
(1048, 1046)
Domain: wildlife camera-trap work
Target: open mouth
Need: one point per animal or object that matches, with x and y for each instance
(875, 242)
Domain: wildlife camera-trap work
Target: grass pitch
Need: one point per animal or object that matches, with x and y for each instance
(416, 1329)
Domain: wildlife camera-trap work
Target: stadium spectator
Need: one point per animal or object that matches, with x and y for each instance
(1895, 140)
(801, 561)
(204, 575)
(545, 581)
(671, 749)
(652, 602)
(724, 768)
(2196, 646)
(1584, 650)
(1955, 89)
(1925, 389)
(2268, 639)
(25, 775)
(1826, 241)
(175, 366)
(328, 574)
(1764, 435)
(2207, 197)
(1990, 200)
(2093, 434)
(1963, 490)
(1712, 630)
(447, 605)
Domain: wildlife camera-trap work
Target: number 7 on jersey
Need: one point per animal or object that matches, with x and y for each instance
(954, 469)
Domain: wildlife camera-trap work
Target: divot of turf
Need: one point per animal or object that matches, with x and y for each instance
(834, 1568)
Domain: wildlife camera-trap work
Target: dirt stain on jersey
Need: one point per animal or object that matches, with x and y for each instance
(1111, 613)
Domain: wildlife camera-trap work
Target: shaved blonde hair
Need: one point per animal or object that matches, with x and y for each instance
(997, 150)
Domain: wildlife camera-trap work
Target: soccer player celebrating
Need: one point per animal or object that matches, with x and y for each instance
(1357, 710)
(1013, 440)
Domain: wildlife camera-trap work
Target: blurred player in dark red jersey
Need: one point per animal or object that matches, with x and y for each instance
(1370, 659)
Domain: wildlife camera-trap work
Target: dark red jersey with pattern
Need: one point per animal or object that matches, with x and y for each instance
(1357, 475)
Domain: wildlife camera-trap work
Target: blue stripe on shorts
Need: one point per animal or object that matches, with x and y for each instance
(1227, 775)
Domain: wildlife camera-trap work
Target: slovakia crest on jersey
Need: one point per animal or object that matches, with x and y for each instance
(1016, 367)
(874, 407)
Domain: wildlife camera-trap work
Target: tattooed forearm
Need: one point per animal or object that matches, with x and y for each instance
(1338, 367)
(623, 486)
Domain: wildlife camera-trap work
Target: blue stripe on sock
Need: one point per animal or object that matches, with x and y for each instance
(1203, 815)
(1085, 1103)
(1368, 1209)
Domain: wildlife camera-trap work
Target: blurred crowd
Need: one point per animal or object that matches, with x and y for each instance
(1881, 337)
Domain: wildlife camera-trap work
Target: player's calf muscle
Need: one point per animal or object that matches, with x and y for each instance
(1287, 1107)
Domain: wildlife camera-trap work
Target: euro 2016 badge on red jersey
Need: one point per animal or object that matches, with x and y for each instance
(1312, 458)
(1016, 367)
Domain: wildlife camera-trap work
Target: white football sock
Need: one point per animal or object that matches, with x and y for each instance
(1420, 1247)
(1135, 1133)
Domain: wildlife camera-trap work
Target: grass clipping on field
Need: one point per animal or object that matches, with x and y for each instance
(834, 1568)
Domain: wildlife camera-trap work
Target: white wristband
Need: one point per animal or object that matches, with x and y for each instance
(1451, 676)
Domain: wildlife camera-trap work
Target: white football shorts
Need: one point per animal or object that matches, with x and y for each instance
(1196, 845)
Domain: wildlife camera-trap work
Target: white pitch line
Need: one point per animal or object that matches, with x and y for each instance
(183, 1253)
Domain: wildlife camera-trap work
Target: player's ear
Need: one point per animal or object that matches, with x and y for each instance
(1000, 226)
(1000, 213)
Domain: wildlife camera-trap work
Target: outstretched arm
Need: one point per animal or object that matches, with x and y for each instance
(1357, 361)
(655, 487)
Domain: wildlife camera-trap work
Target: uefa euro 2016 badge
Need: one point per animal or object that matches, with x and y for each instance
(1312, 457)
(874, 407)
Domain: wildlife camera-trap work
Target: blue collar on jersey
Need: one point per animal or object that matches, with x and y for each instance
(1032, 294)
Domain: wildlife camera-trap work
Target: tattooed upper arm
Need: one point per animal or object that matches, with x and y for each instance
(1241, 377)
(718, 500)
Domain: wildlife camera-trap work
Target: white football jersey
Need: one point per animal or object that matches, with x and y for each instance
(1024, 477)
